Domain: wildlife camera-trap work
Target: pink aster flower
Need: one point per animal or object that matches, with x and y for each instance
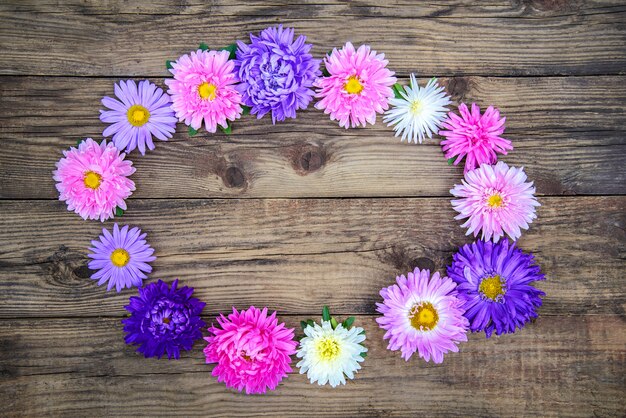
(422, 313)
(358, 87)
(474, 136)
(203, 89)
(495, 199)
(251, 350)
(93, 179)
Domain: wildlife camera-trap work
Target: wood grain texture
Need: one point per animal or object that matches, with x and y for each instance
(569, 143)
(297, 255)
(304, 213)
(538, 37)
(84, 368)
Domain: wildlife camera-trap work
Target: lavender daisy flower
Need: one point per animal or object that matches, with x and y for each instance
(139, 114)
(276, 74)
(121, 258)
(494, 280)
(163, 320)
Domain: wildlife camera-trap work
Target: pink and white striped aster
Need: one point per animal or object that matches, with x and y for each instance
(495, 199)
(422, 314)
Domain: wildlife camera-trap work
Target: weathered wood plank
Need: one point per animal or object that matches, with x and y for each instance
(553, 37)
(300, 254)
(568, 142)
(315, 8)
(559, 365)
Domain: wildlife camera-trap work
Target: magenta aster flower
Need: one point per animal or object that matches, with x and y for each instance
(251, 350)
(474, 137)
(203, 89)
(358, 87)
(494, 280)
(495, 199)
(422, 313)
(138, 115)
(93, 179)
(121, 258)
(163, 320)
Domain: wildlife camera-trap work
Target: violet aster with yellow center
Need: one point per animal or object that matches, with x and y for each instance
(495, 281)
(138, 114)
(121, 258)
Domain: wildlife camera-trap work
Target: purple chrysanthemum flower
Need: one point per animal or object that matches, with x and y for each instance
(163, 320)
(495, 282)
(138, 114)
(276, 73)
(121, 258)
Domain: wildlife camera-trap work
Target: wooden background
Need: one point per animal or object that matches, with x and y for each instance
(305, 213)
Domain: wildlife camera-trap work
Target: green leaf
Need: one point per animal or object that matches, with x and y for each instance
(325, 72)
(326, 313)
(451, 160)
(303, 324)
(333, 322)
(397, 89)
(168, 64)
(364, 354)
(78, 142)
(192, 131)
(119, 211)
(228, 130)
(362, 332)
(246, 110)
(203, 47)
(348, 322)
(310, 322)
(232, 48)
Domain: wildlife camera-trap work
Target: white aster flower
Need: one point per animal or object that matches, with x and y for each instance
(419, 112)
(328, 355)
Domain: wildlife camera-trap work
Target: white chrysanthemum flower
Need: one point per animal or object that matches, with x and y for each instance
(329, 355)
(419, 112)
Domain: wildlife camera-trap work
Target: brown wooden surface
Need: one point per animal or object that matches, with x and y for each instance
(304, 213)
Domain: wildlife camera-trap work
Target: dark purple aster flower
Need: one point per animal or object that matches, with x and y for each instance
(276, 74)
(495, 282)
(163, 320)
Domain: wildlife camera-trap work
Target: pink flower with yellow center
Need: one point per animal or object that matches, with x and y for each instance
(495, 199)
(93, 179)
(203, 90)
(357, 88)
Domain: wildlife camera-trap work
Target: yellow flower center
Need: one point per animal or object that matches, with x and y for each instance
(138, 115)
(120, 257)
(492, 287)
(495, 200)
(166, 320)
(327, 348)
(416, 107)
(92, 180)
(353, 85)
(207, 91)
(423, 316)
